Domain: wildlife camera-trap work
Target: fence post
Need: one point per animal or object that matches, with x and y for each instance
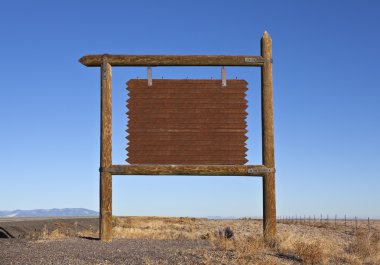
(345, 224)
(327, 220)
(356, 225)
(369, 226)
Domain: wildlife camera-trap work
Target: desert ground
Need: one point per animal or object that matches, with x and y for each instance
(172, 240)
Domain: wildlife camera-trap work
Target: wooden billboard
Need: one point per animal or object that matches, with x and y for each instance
(187, 105)
(186, 122)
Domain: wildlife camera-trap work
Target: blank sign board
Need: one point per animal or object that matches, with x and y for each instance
(186, 122)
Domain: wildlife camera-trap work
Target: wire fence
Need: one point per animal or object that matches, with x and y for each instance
(350, 225)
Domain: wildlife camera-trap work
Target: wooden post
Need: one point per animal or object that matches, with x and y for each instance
(369, 226)
(345, 224)
(105, 228)
(356, 225)
(327, 220)
(269, 194)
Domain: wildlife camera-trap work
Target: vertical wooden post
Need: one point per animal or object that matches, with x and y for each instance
(369, 226)
(269, 199)
(356, 225)
(345, 224)
(105, 228)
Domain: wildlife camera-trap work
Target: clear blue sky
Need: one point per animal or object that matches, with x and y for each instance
(326, 97)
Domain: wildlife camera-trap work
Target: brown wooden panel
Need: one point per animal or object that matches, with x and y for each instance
(147, 94)
(180, 115)
(195, 84)
(187, 147)
(195, 101)
(159, 153)
(186, 137)
(191, 125)
(187, 142)
(184, 105)
(171, 110)
(204, 120)
(187, 122)
(187, 161)
(201, 130)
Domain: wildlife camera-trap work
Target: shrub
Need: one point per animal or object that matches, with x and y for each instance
(309, 253)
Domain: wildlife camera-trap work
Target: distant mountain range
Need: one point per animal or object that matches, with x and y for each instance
(49, 212)
(222, 217)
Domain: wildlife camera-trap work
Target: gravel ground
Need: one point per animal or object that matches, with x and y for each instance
(75, 251)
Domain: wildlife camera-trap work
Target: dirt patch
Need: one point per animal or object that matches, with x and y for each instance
(34, 228)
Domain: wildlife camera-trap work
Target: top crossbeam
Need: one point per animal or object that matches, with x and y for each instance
(174, 60)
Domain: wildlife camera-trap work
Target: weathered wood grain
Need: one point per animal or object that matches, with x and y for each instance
(192, 125)
(152, 110)
(198, 170)
(186, 130)
(183, 105)
(184, 116)
(145, 95)
(179, 85)
(184, 152)
(269, 195)
(148, 148)
(186, 142)
(186, 137)
(187, 161)
(198, 101)
(173, 60)
(106, 152)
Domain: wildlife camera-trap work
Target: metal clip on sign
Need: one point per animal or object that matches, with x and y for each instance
(150, 82)
(260, 170)
(224, 78)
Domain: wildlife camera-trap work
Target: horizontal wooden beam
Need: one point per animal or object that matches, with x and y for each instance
(174, 60)
(195, 170)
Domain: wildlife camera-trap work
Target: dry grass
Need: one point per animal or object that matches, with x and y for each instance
(156, 228)
(310, 252)
(294, 244)
(366, 246)
(59, 233)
